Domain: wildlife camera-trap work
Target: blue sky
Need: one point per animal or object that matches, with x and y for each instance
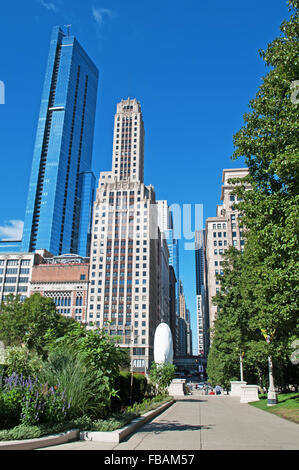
(193, 65)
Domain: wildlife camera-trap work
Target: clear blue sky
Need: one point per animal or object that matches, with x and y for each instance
(193, 65)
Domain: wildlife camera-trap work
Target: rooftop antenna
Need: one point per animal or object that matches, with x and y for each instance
(67, 26)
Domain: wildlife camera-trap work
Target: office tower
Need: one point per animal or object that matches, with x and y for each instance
(125, 258)
(221, 232)
(182, 323)
(164, 281)
(165, 222)
(201, 297)
(189, 333)
(173, 320)
(61, 187)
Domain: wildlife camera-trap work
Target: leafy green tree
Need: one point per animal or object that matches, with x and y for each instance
(267, 297)
(12, 321)
(34, 323)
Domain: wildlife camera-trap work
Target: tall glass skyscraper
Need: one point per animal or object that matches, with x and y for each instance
(62, 185)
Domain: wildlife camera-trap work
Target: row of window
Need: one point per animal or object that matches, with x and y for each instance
(15, 270)
(14, 280)
(13, 289)
(15, 262)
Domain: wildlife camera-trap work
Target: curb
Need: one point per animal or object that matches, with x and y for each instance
(30, 444)
(120, 434)
(75, 435)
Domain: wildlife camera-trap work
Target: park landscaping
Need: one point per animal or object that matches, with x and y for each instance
(59, 375)
(287, 406)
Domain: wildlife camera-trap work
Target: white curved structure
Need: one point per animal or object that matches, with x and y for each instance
(163, 345)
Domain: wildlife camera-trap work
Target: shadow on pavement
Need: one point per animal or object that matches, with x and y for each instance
(163, 426)
(188, 400)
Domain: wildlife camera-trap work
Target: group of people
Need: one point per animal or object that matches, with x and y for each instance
(217, 390)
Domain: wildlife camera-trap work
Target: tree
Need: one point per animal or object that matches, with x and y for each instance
(12, 322)
(33, 322)
(268, 141)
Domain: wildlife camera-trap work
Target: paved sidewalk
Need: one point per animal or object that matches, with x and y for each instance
(199, 422)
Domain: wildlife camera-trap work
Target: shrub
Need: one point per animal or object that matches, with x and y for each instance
(33, 402)
(161, 376)
(68, 368)
(9, 413)
(123, 385)
(20, 360)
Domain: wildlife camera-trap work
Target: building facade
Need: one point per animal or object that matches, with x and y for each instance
(184, 325)
(221, 232)
(65, 280)
(165, 222)
(61, 187)
(202, 317)
(16, 272)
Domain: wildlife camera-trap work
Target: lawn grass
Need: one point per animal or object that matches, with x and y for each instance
(287, 406)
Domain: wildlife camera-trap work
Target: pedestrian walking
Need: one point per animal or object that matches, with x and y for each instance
(218, 390)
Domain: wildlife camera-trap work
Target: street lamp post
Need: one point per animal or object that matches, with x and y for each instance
(241, 366)
(272, 395)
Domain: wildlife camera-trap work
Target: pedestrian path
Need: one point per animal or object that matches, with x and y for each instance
(199, 422)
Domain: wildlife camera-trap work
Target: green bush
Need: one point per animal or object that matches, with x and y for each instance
(21, 361)
(123, 385)
(139, 387)
(9, 413)
(31, 402)
(161, 375)
(68, 368)
(83, 423)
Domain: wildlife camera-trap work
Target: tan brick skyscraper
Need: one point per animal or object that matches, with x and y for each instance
(125, 251)
(221, 232)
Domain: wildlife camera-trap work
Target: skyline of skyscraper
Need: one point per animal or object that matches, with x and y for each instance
(61, 187)
(165, 222)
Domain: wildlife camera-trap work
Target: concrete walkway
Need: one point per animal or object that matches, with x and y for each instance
(199, 422)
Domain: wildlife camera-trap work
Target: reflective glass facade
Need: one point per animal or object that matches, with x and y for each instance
(60, 192)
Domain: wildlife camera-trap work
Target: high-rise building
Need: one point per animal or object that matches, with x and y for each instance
(61, 187)
(221, 232)
(125, 258)
(201, 297)
(184, 326)
(165, 222)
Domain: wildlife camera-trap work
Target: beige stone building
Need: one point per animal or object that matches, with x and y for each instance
(16, 272)
(221, 232)
(125, 257)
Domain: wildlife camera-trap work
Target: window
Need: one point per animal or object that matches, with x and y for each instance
(10, 280)
(139, 351)
(11, 270)
(12, 262)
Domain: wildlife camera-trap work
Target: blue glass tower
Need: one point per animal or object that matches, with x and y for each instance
(61, 188)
